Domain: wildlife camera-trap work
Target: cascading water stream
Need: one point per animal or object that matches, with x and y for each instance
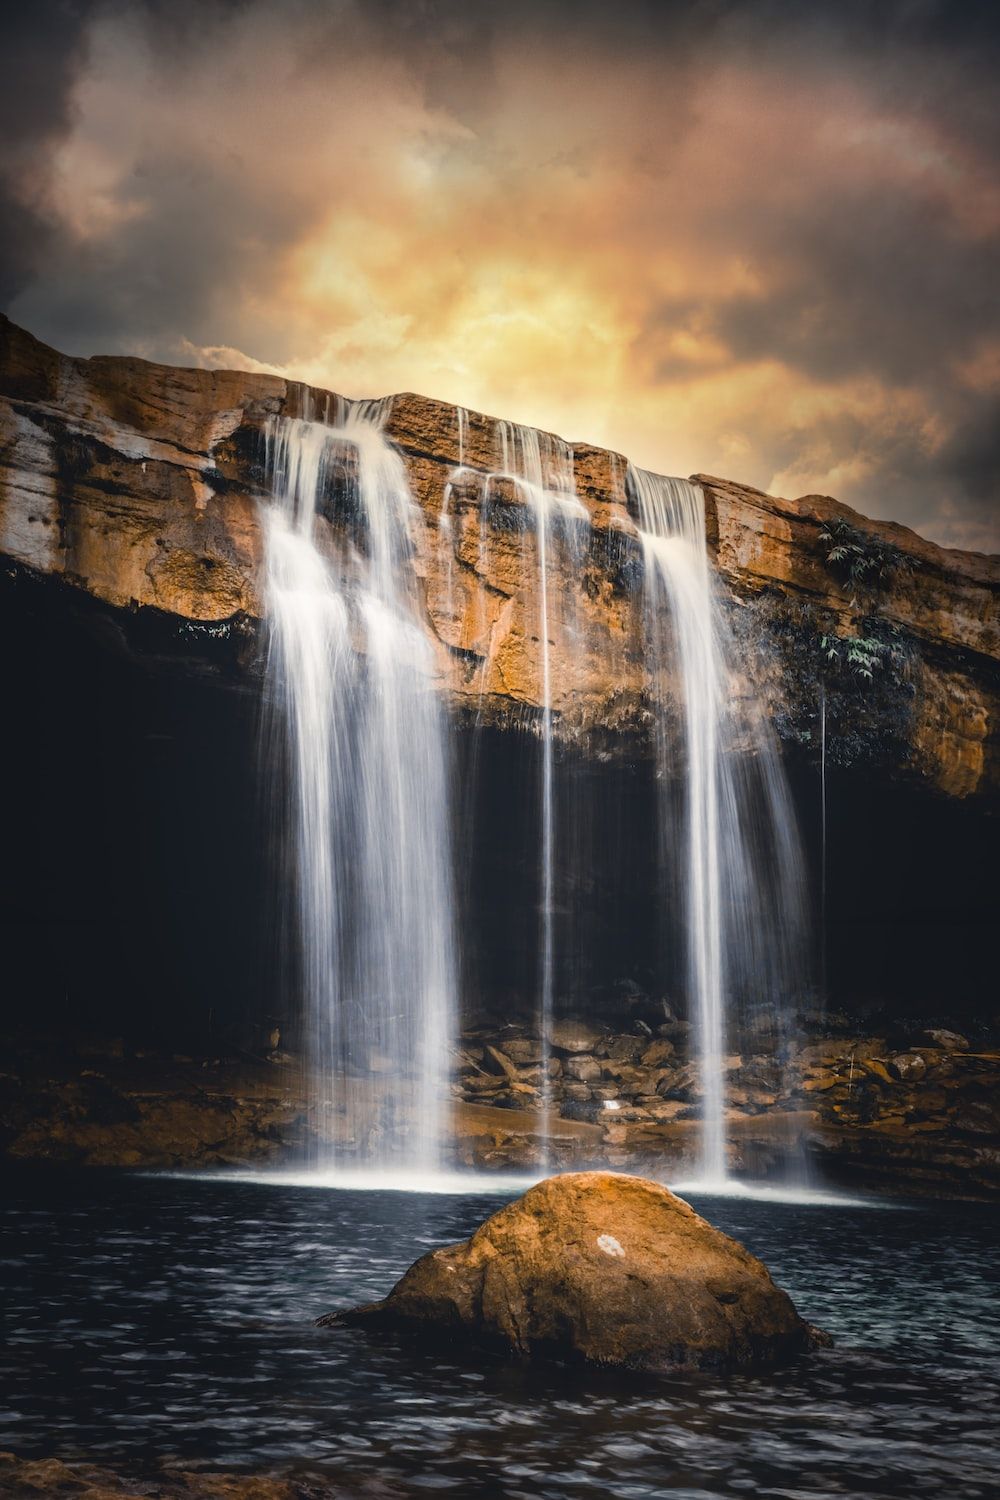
(542, 466)
(350, 680)
(740, 873)
(823, 854)
(541, 469)
(671, 514)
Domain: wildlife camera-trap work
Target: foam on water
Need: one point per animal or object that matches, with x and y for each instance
(477, 1184)
(373, 1180)
(763, 1192)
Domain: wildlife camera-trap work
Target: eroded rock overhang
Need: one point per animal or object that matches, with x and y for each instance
(137, 488)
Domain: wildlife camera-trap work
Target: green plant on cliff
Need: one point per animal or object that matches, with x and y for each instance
(865, 564)
(880, 649)
(860, 561)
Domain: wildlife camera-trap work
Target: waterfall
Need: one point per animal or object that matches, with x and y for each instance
(357, 716)
(542, 466)
(671, 514)
(823, 853)
(350, 683)
(737, 864)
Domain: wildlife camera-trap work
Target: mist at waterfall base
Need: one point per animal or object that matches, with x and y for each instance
(148, 1318)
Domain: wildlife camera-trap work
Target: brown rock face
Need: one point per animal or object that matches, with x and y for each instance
(140, 485)
(605, 1268)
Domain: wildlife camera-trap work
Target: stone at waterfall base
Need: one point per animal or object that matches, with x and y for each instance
(606, 1268)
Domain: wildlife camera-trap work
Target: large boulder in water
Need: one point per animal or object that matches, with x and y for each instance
(604, 1267)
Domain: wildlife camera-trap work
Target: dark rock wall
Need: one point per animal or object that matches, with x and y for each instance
(134, 839)
(144, 894)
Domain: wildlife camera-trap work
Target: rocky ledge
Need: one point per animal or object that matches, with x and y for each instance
(907, 1113)
(138, 486)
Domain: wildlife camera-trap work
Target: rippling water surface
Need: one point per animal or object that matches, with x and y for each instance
(148, 1318)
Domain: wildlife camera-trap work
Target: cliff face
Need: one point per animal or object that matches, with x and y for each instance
(140, 485)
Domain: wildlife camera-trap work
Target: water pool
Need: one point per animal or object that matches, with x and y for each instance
(149, 1318)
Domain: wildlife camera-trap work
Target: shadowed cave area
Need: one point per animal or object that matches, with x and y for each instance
(138, 888)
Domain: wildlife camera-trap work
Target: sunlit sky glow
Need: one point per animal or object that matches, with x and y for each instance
(753, 239)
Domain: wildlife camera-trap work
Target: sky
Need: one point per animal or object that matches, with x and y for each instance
(753, 238)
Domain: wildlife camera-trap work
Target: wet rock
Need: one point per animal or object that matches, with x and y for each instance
(582, 1109)
(539, 1076)
(676, 1030)
(484, 1083)
(21, 1478)
(523, 1050)
(517, 1095)
(629, 1079)
(760, 1073)
(625, 1049)
(665, 1110)
(498, 1062)
(575, 1036)
(909, 1067)
(627, 1114)
(606, 1268)
(948, 1041)
(679, 1084)
(859, 1121)
(657, 1053)
(979, 1117)
(584, 1068)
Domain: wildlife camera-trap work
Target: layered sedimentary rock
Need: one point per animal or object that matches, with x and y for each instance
(138, 485)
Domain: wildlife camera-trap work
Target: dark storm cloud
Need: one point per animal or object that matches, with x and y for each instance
(867, 282)
(971, 457)
(204, 236)
(42, 49)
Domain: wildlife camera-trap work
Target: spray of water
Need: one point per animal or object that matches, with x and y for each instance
(736, 858)
(351, 685)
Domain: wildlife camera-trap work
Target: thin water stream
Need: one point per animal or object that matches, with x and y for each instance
(541, 467)
(737, 862)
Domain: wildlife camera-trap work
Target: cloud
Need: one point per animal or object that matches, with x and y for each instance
(749, 238)
(44, 49)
